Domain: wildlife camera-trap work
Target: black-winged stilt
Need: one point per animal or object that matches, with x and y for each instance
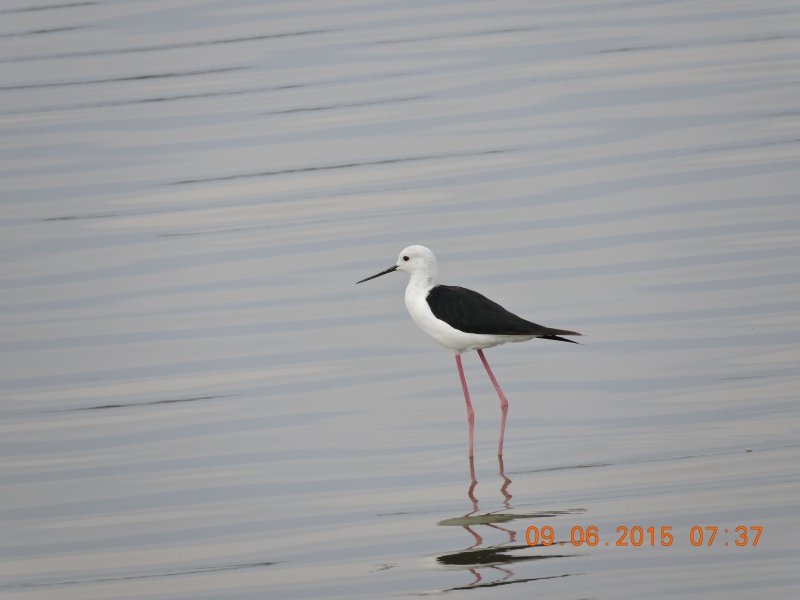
(462, 320)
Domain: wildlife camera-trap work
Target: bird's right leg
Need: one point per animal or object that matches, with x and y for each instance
(503, 402)
(470, 412)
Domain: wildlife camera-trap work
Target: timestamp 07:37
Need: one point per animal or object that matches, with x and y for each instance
(636, 535)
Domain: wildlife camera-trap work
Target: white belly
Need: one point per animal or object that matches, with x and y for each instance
(444, 334)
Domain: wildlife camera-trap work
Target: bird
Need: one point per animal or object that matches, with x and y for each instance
(462, 320)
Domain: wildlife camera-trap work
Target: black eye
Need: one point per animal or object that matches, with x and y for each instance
(405, 258)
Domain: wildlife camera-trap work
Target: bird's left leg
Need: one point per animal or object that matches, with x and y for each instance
(503, 402)
(470, 412)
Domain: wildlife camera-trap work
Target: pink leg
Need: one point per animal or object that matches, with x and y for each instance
(470, 412)
(503, 402)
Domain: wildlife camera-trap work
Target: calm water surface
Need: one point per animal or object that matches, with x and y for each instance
(197, 402)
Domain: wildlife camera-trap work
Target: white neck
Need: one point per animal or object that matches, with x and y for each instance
(423, 278)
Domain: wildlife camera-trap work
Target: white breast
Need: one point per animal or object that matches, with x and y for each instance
(444, 334)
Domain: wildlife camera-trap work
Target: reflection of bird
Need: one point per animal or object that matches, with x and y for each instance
(499, 557)
(462, 320)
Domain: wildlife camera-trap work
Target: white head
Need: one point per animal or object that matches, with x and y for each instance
(417, 261)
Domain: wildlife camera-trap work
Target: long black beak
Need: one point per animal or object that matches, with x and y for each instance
(389, 270)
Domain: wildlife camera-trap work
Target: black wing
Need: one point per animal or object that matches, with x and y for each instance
(471, 312)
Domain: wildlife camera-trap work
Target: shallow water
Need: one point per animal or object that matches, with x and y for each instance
(197, 402)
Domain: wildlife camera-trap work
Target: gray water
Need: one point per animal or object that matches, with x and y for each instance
(197, 402)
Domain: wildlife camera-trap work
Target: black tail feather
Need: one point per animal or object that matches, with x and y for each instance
(559, 338)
